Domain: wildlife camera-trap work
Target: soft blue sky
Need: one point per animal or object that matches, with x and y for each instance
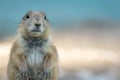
(61, 9)
(58, 11)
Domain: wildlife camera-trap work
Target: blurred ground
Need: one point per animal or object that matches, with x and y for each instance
(85, 53)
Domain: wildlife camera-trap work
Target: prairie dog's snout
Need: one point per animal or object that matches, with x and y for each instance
(38, 21)
(37, 25)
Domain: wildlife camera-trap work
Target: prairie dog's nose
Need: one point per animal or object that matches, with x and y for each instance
(37, 24)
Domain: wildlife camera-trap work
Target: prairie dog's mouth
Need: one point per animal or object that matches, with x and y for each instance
(35, 30)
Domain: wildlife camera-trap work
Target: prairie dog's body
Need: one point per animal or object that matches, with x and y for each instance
(33, 55)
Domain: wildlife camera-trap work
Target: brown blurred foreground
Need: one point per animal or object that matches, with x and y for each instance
(81, 57)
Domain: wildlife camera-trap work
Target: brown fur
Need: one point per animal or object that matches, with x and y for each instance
(21, 67)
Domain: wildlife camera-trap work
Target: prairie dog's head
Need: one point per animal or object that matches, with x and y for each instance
(34, 24)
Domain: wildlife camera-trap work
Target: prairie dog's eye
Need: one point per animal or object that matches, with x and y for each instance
(26, 16)
(45, 17)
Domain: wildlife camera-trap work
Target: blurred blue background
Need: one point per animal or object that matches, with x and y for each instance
(59, 12)
(57, 9)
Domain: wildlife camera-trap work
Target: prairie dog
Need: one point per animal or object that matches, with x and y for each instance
(33, 55)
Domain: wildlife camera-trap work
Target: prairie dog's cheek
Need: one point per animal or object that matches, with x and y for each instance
(42, 28)
(30, 28)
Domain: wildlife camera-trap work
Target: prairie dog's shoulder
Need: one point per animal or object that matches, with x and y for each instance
(53, 47)
(14, 46)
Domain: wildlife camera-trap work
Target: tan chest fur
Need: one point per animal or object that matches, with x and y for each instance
(34, 57)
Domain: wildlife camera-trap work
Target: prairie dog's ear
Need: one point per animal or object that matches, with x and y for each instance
(43, 13)
(29, 11)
